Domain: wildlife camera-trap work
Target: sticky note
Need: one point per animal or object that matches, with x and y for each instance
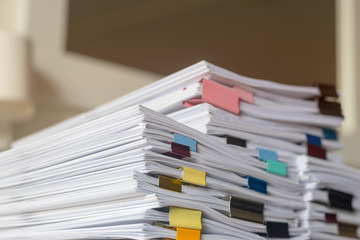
(194, 176)
(257, 184)
(183, 140)
(185, 218)
(330, 217)
(220, 96)
(278, 168)
(316, 151)
(313, 140)
(244, 95)
(265, 154)
(329, 134)
(192, 102)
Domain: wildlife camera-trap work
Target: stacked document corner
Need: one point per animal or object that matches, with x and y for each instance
(235, 158)
(121, 173)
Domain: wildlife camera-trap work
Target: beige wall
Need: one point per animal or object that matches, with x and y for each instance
(348, 77)
(7, 14)
(287, 41)
(14, 15)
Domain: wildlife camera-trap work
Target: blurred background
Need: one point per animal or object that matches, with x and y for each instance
(62, 57)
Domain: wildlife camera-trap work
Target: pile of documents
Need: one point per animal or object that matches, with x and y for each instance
(335, 200)
(235, 158)
(119, 174)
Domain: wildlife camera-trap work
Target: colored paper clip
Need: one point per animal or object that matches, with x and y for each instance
(187, 234)
(340, 200)
(236, 141)
(329, 108)
(329, 134)
(257, 184)
(277, 168)
(220, 96)
(277, 230)
(170, 184)
(330, 218)
(244, 95)
(316, 151)
(327, 90)
(313, 140)
(183, 140)
(185, 218)
(246, 209)
(265, 154)
(193, 176)
(181, 150)
(347, 230)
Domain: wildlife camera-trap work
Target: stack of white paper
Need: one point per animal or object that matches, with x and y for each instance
(115, 176)
(266, 142)
(334, 210)
(167, 95)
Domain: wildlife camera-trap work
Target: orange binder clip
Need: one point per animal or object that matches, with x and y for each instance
(187, 234)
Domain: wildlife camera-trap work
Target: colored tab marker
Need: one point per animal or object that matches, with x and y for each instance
(220, 96)
(329, 108)
(266, 155)
(316, 151)
(183, 140)
(185, 218)
(246, 209)
(193, 176)
(330, 218)
(348, 230)
(187, 234)
(277, 230)
(329, 134)
(277, 168)
(340, 200)
(327, 90)
(170, 184)
(257, 184)
(244, 95)
(235, 141)
(180, 149)
(313, 140)
(192, 102)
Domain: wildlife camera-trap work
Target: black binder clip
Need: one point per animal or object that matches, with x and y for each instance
(277, 230)
(236, 141)
(246, 209)
(340, 200)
